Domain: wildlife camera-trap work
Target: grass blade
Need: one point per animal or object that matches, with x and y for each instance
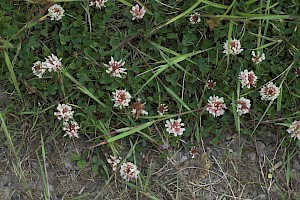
(12, 74)
(216, 5)
(83, 89)
(177, 17)
(125, 3)
(268, 44)
(230, 30)
(168, 51)
(235, 114)
(177, 98)
(130, 132)
(43, 169)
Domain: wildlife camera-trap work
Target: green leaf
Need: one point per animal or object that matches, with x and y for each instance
(81, 164)
(95, 168)
(75, 157)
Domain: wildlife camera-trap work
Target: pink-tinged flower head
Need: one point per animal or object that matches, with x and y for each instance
(129, 171)
(52, 63)
(138, 109)
(114, 161)
(56, 12)
(297, 72)
(137, 13)
(98, 3)
(71, 129)
(243, 106)
(269, 92)
(211, 84)
(234, 47)
(248, 79)
(162, 108)
(175, 127)
(64, 112)
(38, 69)
(195, 18)
(115, 68)
(121, 98)
(258, 58)
(216, 106)
(294, 130)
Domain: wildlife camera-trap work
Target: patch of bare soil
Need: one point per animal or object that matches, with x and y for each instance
(227, 171)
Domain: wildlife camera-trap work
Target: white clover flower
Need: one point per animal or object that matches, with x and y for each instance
(211, 84)
(115, 68)
(243, 106)
(248, 78)
(121, 98)
(52, 63)
(269, 92)
(114, 161)
(258, 58)
(38, 69)
(56, 12)
(64, 112)
(137, 13)
(71, 129)
(235, 47)
(195, 18)
(98, 3)
(129, 171)
(162, 108)
(175, 127)
(138, 109)
(216, 106)
(294, 130)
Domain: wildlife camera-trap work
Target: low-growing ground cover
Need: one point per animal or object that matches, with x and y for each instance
(153, 99)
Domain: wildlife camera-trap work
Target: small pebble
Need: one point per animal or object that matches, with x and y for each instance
(183, 159)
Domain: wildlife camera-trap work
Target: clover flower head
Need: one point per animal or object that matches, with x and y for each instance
(175, 126)
(129, 171)
(38, 69)
(115, 68)
(56, 12)
(138, 109)
(98, 3)
(258, 58)
(52, 63)
(211, 84)
(248, 79)
(137, 13)
(121, 98)
(194, 151)
(195, 18)
(162, 108)
(71, 128)
(294, 130)
(114, 161)
(216, 106)
(269, 92)
(64, 112)
(234, 47)
(243, 106)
